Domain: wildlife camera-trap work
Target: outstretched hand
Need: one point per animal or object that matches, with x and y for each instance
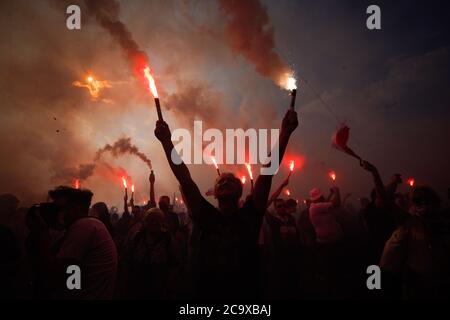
(162, 131)
(290, 121)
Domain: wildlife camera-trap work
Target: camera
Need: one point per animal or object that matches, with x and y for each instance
(48, 212)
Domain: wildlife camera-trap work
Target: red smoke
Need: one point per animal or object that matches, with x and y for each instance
(249, 33)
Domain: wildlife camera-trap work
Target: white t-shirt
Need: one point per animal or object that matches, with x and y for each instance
(327, 228)
(88, 241)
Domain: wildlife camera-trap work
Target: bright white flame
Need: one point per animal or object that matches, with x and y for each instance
(214, 162)
(151, 82)
(291, 166)
(288, 193)
(243, 179)
(132, 188)
(291, 83)
(124, 181)
(90, 79)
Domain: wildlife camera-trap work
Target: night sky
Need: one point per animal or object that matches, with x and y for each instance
(391, 87)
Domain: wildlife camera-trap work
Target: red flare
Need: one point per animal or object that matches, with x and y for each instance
(132, 188)
(332, 175)
(288, 193)
(249, 170)
(411, 182)
(151, 82)
(291, 166)
(77, 184)
(214, 162)
(124, 181)
(243, 179)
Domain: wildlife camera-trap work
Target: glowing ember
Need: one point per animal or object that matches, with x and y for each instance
(332, 175)
(124, 181)
(243, 179)
(291, 166)
(411, 182)
(249, 169)
(151, 82)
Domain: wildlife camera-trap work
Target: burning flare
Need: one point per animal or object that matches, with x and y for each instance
(213, 159)
(243, 179)
(132, 188)
(77, 184)
(411, 182)
(249, 169)
(151, 82)
(288, 193)
(124, 181)
(332, 175)
(290, 83)
(291, 166)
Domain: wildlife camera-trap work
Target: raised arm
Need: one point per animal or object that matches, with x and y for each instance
(151, 179)
(277, 192)
(181, 171)
(261, 191)
(125, 205)
(379, 186)
(335, 197)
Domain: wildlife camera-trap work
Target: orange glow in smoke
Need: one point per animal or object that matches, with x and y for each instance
(93, 85)
(77, 184)
(124, 181)
(411, 182)
(151, 82)
(332, 175)
(249, 169)
(243, 179)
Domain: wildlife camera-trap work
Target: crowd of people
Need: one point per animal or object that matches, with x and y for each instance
(260, 247)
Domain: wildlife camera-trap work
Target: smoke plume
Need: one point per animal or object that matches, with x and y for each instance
(106, 12)
(248, 32)
(123, 146)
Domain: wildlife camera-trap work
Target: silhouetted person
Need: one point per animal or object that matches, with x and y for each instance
(228, 258)
(86, 244)
(151, 258)
(100, 211)
(416, 259)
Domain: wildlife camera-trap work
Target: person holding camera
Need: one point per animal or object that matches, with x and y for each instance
(86, 246)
